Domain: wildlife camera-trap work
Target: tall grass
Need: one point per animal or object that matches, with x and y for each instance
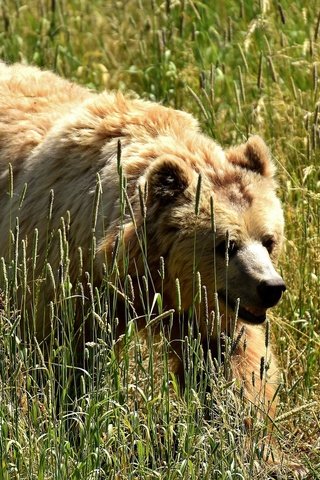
(241, 68)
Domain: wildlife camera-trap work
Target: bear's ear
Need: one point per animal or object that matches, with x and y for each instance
(253, 155)
(167, 179)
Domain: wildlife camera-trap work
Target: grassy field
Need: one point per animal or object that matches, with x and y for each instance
(240, 67)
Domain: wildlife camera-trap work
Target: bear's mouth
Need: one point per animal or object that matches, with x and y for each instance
(256, 315)
(252, 314)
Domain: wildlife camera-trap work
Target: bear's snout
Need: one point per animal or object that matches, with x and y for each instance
(270, 291)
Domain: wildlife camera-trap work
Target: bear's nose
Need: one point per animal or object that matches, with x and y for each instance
(270, 291)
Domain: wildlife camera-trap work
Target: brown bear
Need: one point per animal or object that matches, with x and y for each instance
(144, 187)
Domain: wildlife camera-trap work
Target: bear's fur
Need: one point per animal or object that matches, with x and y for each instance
(189, 198)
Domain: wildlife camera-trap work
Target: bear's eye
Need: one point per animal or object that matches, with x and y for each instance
(232, 248)
(269, 243)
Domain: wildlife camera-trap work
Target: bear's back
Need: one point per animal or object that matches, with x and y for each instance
(31, 101)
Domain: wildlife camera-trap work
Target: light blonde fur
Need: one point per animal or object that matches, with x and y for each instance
(59, 136)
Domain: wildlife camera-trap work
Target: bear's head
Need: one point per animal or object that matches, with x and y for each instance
(212, 215)
(217, 214)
